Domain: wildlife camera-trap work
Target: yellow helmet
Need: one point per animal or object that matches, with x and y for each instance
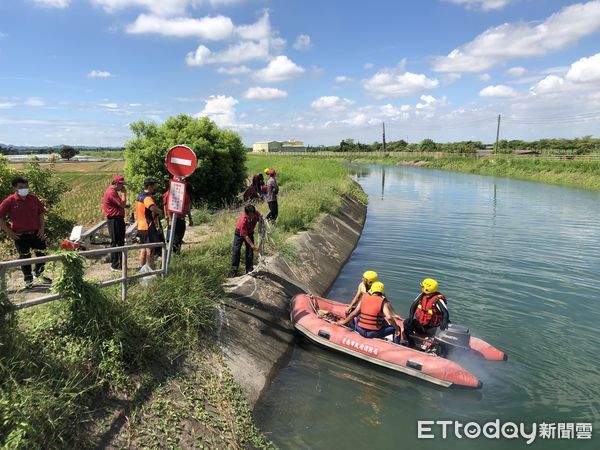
(370, 276)
(267, 170)
(429, 285)
(377, 287)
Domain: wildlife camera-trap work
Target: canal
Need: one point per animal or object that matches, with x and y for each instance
(519, 263)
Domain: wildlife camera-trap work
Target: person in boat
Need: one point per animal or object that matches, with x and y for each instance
(376, 315)
(368, 278)
(428, 312)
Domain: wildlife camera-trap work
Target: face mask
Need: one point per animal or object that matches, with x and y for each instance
(23, 192)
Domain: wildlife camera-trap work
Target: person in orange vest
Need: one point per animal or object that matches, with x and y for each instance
(368, 278)
(428, 311)
(376, 315)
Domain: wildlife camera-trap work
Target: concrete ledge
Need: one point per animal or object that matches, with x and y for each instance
(256, 336)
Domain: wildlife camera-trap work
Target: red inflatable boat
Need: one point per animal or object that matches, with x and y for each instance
(315, 317)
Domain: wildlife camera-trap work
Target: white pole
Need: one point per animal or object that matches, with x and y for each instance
(171, 237)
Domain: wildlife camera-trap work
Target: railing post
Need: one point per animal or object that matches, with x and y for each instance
(124, 267)
(2, 279)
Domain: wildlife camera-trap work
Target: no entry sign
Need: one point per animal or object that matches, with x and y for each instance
(181, 161)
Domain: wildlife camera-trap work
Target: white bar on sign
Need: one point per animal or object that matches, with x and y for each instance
(183, 162)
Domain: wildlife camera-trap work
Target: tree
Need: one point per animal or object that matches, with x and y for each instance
(427, 145)
(221, 171)
(67, 152)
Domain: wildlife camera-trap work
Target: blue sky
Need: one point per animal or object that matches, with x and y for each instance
(79, 71)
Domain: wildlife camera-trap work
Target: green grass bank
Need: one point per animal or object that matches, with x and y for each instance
(91, 371)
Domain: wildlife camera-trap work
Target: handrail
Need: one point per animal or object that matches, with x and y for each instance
(125, 278)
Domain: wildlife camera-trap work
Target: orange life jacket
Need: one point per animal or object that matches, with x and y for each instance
(371, 312)
(427, 314)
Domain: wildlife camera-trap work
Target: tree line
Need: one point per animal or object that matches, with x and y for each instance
(577, 146)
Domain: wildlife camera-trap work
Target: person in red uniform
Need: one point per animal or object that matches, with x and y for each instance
(376, 315)
(27, 227)
(180, 224)
(428, 312)
(114, 205)
(244, 234)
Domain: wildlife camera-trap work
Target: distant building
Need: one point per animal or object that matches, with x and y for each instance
(266, 147)
(277, 146)
(292, 146)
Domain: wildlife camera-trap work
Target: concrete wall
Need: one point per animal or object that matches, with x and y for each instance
(256, 336)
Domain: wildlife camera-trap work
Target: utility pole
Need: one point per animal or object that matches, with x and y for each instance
(383, 136)
(497, 135)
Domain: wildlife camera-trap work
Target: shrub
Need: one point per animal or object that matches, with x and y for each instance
(221, 172)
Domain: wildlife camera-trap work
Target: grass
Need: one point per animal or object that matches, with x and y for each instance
(67, 368)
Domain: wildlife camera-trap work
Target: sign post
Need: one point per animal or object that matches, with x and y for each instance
(181, 163)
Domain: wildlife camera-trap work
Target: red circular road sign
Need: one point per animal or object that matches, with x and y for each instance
(181, 161)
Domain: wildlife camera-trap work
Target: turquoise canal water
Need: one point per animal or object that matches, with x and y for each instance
(519, 263)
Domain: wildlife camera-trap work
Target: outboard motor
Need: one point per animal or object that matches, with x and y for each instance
(455, 338)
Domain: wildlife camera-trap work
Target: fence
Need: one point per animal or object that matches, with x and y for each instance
(123, 280)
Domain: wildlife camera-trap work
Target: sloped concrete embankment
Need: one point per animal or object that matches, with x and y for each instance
(256, 335)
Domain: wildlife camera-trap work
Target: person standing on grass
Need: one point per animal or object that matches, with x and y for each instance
(180, 225)
(114, 204)
(148, 217)
(244, 234)
(27, 227)
(272, 191)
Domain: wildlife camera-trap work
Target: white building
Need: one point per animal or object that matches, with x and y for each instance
(278, 146)
(266, 147)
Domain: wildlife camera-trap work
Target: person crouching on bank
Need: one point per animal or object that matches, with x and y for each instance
(244, 234)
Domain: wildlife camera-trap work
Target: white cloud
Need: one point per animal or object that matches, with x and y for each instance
(236, 70)
(158, 7)
(485, 77)
(59, 4)
(429, 103)
(207, 28)
(507, 41)
(549, 84)
(2, 35)
(586, 70)
(99, 74)
(368, 65)
(264, 93)
(261, 29)
(342, 79)
(516, 71)
(485, 5)
(499, 90)
(280, 68)
(7, 105)
(303, 43)
(220, 109)
(397, 83)
(331, 104)
(235, 54)
(34, 102)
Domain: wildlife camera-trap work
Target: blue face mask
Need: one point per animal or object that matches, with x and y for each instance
(23, 192)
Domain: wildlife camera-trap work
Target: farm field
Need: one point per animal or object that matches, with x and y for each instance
(87, 182)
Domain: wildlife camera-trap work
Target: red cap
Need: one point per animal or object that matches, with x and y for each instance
(119, 179)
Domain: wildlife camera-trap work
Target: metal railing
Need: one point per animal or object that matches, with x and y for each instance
(89, 254)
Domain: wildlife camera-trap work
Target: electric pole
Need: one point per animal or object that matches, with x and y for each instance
(497, 135)
(383, 136)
